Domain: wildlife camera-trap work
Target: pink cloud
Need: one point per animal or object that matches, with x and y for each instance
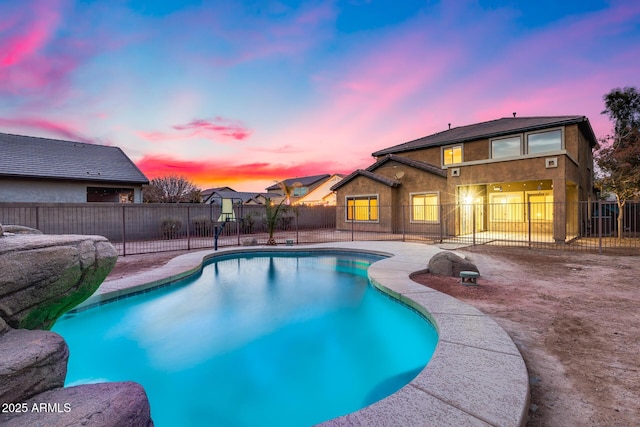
(23, 61)
(287, 148)
(60, 130)
(217, 126)
(215, 129)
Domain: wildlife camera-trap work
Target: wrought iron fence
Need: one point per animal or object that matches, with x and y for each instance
(143, 228)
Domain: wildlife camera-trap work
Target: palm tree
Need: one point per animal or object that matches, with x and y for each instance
(273, 211)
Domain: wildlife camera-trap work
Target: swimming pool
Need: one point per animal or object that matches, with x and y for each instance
(261, 339)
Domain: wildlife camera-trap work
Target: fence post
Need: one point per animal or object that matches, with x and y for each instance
(124, 233)
(403, 223)
(38, 217)
(600, 227)
(188, 228)
(297, 212)
(529, 220)
(473, 219)
(441, 222)
(353, 213)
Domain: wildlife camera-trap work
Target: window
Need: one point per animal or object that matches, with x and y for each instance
(362, 208)
(505, 147)
(544, 141)
(300, 191)
(112, 195)
(506, 207)
(424, 207)
(452, 155)
(541, 205)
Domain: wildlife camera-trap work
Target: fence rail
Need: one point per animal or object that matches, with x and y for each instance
(143, 228)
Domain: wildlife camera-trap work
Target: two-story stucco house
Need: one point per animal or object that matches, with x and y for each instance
(481, 177)
(49, 170)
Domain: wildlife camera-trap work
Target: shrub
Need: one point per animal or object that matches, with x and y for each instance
(170, 228)
(203, 227)
(247, 224)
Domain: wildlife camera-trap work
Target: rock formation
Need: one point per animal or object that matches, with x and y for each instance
(41, 278)
(45, 276)
(449, 264)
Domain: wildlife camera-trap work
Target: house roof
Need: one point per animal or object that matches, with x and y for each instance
(206, 193)
(368, 174)
(33, 157)
(491, 129)
(305, 181)
(244, 196)
(234, 195)
(424, 166)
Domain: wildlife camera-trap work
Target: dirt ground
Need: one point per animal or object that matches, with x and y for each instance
(575, 318)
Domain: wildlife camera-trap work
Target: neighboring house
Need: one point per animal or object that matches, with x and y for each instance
(36, 169)
(482, 175)
(215, 196)
(206, 194)
(238, 197)
(321, 195)
(304, 188)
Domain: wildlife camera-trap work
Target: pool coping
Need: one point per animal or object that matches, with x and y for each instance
(476, 376)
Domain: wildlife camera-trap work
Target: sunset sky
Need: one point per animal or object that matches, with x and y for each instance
(242, 93)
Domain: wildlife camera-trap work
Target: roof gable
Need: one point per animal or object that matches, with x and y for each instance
(423, 166)
(490, 129)
(367, 174)
(33, 157)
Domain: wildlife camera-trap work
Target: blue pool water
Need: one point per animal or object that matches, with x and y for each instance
(269, 340)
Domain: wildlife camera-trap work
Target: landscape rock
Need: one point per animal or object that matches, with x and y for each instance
(91, 405)
(31, 362)
(44, 276)
(3, 326)
(19, 229)
(249, 241)
(449, 264)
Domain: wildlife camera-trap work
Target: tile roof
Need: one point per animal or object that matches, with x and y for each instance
(374, 176)
(305, 181)
(490, 129)
(424, 166)
(33, 157)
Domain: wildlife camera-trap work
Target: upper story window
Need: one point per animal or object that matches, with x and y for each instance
(506, 147)
(300, 191)
(544, 141)
(452, 155)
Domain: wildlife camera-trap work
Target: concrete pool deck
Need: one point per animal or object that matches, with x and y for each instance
(476, 376)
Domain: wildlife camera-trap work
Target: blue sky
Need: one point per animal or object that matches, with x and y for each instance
(245, 93)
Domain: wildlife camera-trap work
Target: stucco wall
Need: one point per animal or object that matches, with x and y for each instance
(46, 191)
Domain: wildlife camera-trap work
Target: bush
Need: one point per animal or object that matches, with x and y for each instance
(203, 227)
(247, 224)
(170, 228)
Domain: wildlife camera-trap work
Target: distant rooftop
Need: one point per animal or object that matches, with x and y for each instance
(305, 181)
(33, 157)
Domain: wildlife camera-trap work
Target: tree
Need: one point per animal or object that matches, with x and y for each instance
(618, 155)
(171, 189)
(273, 211)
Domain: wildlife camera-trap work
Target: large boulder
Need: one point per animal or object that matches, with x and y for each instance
(93, 405)
(449, 264)
(19, 229)
(32, 362)
(44, 276)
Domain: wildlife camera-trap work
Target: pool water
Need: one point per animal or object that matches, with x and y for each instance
(269, 340)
